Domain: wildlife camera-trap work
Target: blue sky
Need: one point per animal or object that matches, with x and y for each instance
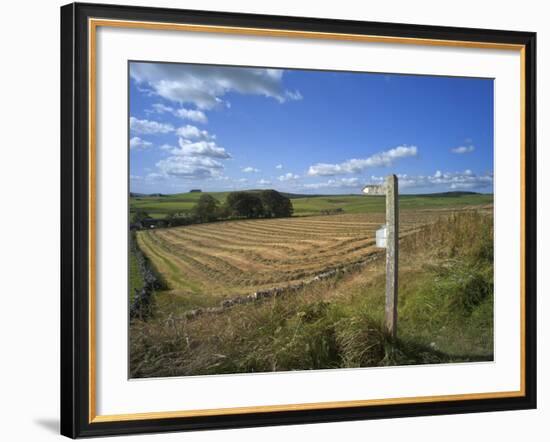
(221, 128)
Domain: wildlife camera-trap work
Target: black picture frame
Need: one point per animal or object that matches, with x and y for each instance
(75, 220)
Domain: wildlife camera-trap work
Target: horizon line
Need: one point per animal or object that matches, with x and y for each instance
(308, 194)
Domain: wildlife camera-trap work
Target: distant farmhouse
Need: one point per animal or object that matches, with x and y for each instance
(195, 191)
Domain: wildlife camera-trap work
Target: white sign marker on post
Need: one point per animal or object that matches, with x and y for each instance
(381, 237)
(388, 237)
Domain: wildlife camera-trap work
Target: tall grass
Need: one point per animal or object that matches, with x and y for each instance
(445, 315)
(451, 306)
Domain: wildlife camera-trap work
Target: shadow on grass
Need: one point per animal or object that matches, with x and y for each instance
(407, 352)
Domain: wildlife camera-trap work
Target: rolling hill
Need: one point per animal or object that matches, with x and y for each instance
(158, 206)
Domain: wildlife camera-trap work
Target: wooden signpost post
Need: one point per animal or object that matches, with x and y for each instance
(390, 189)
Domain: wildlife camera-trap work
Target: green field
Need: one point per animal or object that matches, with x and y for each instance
(160, 206)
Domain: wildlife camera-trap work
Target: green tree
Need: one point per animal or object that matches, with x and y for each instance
(139, 216)
(171, 218)
(244, 204)
(275, 204)
(206, 208)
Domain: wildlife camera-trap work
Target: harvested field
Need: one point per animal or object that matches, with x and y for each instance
(209, 262)
(445, 289)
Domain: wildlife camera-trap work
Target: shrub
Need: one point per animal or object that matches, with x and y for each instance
(244, 205)
(275, 205)
(206, 209)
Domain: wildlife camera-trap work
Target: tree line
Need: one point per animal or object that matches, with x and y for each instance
(237, 205)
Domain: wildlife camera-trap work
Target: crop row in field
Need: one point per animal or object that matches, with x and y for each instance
(231, 258)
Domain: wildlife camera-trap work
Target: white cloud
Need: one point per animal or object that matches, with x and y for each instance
(149, 127)
(250, 169)
(463, 149)
(464, 185)
(335, 184)
(197, 149)
(263, 182)
(190, 167)
(183, 113)
(296, 95)
(197, 156)
(288, 177)
(446, 180)
(382, 159)
(194, 132)
(155, 176)
(160, 108)
(138, 143)
(279, 166)
(205, 86)
(191, 114)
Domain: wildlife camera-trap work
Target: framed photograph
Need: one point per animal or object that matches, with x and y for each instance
(274, 220)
